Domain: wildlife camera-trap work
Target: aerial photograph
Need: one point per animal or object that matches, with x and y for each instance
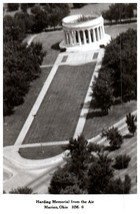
(70, 98)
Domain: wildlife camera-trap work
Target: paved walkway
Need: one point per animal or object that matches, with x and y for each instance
(88, 99)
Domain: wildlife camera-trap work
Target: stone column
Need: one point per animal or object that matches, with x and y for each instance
(70, 35)
(74, 37)
(99, 32)
(98, 36)
(89, 36)
(103, 31)
(65, 37)
(84, 37)
(94, 36)
(79, 38)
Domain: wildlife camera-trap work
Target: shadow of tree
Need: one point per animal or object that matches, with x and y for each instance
(127, 136)
(97, 113)
(56, 46)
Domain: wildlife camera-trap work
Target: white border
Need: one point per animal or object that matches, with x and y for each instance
(102, 203)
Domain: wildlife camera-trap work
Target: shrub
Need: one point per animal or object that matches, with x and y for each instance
(75, 189)
(21, 190)
(130, 120)
(117, 186)
(94, 147)
(122, 161)
(114, 137)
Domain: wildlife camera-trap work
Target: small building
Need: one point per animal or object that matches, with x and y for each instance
(83, 33)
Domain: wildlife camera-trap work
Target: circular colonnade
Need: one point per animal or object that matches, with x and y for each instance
(83, 32)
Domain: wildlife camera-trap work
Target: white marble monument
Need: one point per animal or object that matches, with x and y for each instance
(83, 33)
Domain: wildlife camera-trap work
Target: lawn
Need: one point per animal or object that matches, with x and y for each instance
(58, 115)
(95, 124)
(115, 30)
(48, 39)
(13, 123)
(92, 9)
(42, 152)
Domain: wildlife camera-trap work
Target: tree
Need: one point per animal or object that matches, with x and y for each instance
(87, 172)
(62, 180)
(79, 155)
(121, 161)
(118, 12)
(121, 59)
(12, 6)
(56, 12)
(21, 65)
(22, 190)
(99, 174)
(27, 19)
(24, 7)
(117, 186)
(13, 29)
(78, 5)
(102, 91)
(40, 19)
(114, 137)
(130, 120)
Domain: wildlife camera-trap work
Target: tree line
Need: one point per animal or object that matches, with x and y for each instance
(119, 11)
(38, 17)
(21, 64)
(117, 79)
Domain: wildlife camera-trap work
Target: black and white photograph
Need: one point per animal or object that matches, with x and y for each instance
(69, 102)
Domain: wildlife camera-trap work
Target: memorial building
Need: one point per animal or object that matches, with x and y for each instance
(83, 33)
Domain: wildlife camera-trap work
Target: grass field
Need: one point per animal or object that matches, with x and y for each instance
(95, 124)
(58, 115)
(48, 39)
(92, 9)
(37, 153)
(115, 30)
(14, 122)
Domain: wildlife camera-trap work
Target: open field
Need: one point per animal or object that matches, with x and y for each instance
(14, 122)
(95, 124)
(58, 115)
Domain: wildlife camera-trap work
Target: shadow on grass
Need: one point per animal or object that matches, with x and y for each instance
(56, 46)
(127, 136)
(97, 113)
